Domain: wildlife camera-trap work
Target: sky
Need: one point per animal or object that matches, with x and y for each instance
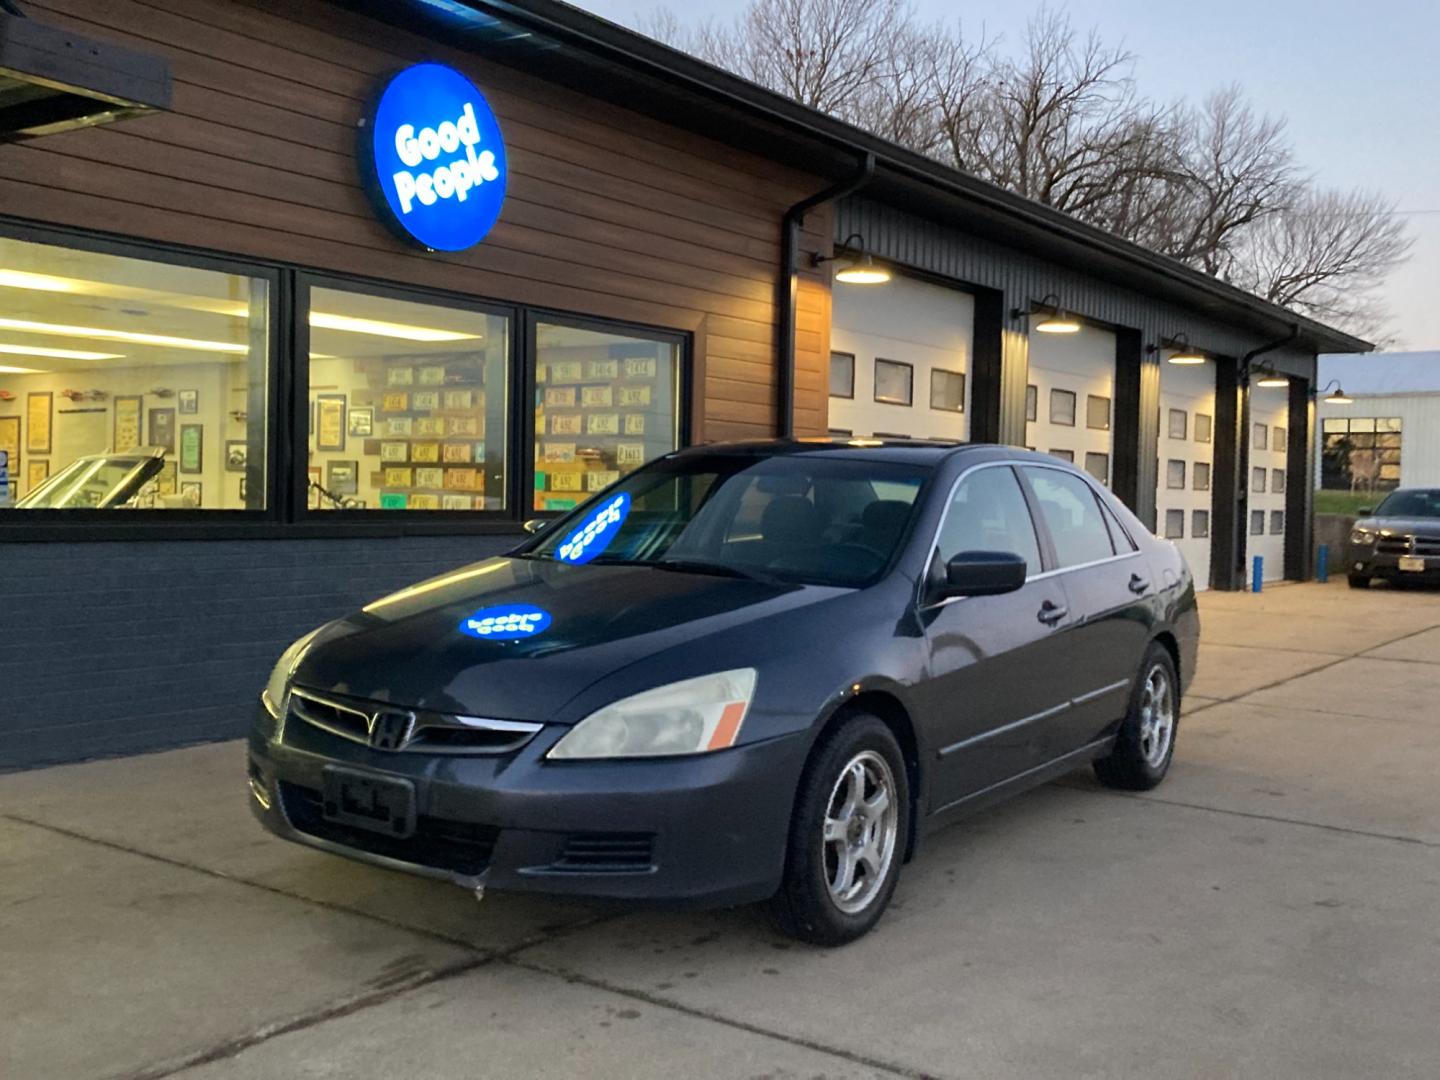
(1358, 82)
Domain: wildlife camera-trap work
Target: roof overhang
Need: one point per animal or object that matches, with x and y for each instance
(54, 80)
(569, 46)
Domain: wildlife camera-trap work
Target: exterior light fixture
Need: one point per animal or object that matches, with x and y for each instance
(858, 267)
(1271, 379)
(1337, 396)
(1054, 320)
(1184, 353)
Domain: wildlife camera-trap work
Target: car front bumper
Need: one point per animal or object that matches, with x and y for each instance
(1368, 562)
(708, 830)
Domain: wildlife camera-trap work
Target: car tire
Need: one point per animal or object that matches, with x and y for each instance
(1358, 581)
(844, 852)
(1145, 743)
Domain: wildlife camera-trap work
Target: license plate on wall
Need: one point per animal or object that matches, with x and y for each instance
(1412, 563)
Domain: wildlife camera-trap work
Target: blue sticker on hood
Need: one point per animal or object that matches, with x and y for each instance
(508, 622)
(594, 533)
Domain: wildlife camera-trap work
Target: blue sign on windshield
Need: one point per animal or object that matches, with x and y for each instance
(595, 531)
(507, 622)
(434, 159)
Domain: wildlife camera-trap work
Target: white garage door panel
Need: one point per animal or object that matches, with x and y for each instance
(1187, 453)
(1269, 414)
(1081, 364)
(913, 322)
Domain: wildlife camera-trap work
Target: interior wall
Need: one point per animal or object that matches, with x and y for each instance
(914, 322)
(1189, 390)
(1082, 364)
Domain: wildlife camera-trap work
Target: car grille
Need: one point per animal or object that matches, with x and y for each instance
(456, 846)
(607, 853)
(436, 733)
(1407, 545)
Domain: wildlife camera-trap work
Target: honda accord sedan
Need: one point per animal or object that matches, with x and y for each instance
(749, 672)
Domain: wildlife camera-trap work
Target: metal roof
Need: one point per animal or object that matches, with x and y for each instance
(573, 47)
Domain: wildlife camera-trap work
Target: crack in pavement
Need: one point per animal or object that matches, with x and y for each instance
(854, 1058)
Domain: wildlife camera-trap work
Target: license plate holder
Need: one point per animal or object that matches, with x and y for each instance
(1412, 563)
(363, 800)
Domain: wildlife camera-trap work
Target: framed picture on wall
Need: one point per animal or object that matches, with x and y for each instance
(192, 448)
(330, 421)
(10, 443)
(1032, 402)
(1097, 412)
(343, 477)
(188, 402)
(162, 429)
(237, 452)
(312, 486)
(1062, 407)
(192, 491)
(38, 408)
(362, 421)
(36, 473)
(894, 382)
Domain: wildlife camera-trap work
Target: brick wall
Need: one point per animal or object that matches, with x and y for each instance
(116, 648)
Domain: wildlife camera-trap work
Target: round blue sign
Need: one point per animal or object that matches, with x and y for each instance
(508, 622)
(434, 158)
(595, 531)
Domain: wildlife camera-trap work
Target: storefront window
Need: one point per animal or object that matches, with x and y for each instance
(605, 403)
(409, 405)
(130, 384)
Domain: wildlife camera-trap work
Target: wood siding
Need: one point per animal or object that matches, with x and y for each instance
(608, 213)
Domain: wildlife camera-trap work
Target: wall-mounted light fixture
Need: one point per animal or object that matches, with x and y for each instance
(1053, 319)
(857, 266)
(1270, 378)
(1184, 354)
(1337, 396)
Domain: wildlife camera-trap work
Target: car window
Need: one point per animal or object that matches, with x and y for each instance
(989, 513)
(1072, 514)
(1119, 538)
(1415, 502)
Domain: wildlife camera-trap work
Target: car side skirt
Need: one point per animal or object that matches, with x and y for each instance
(1040, 774)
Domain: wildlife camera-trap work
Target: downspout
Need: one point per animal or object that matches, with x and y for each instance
(1242, 459)
(789, 288)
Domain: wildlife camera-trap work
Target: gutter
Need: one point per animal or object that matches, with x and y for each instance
(789, 288)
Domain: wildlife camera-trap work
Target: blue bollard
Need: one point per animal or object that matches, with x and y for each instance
(1257, 577)
(1322, 564)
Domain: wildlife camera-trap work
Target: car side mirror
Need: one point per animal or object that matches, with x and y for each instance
(983, 573)
(534, 525)
(1366, 511)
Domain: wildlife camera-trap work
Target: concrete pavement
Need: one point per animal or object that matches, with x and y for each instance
(1272, 910)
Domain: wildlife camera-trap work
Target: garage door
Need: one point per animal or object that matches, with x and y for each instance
(1269, 417)
(900, 360)
(1070, 399)
(1184, 484)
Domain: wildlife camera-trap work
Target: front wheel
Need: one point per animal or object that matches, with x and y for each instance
(847, 836)
(1145, 743)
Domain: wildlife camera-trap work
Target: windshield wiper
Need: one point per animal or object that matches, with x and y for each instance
(699, 566)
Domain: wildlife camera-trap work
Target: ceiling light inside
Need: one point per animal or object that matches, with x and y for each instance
(378, 328)
(101, 333)
(5, 369)
(57, 354)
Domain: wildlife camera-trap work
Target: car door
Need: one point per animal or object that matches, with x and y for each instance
(1107, 580)
(996, 663)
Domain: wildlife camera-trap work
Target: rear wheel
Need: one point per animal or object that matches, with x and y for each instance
(1145, 743)
(1358, 581)
(847, 836)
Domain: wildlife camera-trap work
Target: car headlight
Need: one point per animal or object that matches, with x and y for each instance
(276, 694)
(693, 716)
(1362, 536)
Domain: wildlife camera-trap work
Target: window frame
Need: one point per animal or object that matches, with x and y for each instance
(909, 402)
(829, 378)
(287, 515)
(958, 410)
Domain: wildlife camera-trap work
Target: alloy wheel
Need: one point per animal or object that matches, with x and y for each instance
(862, 824)
(1157, 717)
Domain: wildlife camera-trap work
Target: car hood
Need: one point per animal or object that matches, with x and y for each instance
(1429, 526)
(409, 648)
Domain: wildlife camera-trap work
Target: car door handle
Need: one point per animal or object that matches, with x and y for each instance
(1051, 613)
(1138, 584)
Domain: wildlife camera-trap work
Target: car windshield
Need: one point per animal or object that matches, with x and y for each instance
(1417, 502)
(805, 519)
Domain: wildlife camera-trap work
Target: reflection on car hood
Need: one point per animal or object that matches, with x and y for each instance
(1427, 526)
(409, 648)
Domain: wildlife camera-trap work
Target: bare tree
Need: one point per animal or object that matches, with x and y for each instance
(1061, 121)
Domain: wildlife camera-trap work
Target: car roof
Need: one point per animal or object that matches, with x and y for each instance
(906, 451)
